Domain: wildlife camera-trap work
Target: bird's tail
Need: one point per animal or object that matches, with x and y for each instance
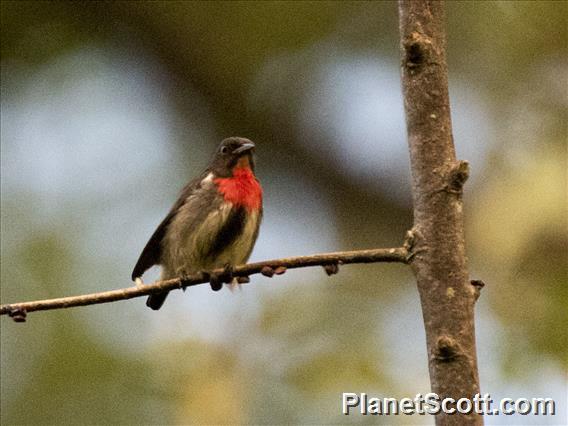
(155, 301)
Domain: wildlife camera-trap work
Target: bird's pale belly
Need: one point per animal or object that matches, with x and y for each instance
(191, 253)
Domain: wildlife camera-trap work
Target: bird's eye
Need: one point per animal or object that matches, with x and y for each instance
(224, 149)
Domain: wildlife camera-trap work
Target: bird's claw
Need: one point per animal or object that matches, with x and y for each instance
(215, 283)
(227, 275)
(138, 281)
(217, 280)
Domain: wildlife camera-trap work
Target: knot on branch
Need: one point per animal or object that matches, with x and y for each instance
(413, 243)
(417, 48)
(269, 271)
(477, 286)
(243, 280)
(17, 314)
(458, 176)
(332, 268)
(447, 349)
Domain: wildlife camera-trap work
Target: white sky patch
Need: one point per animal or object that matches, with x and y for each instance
(80, 123)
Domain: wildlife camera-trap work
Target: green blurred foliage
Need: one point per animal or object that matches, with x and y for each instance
(317, 339)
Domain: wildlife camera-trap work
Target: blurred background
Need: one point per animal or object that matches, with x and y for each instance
(107, 109)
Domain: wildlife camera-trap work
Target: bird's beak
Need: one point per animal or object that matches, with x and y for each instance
(244, 147)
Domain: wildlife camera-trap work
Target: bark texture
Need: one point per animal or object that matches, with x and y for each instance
(437, 238)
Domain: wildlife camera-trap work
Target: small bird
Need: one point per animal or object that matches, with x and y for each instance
(213, 224)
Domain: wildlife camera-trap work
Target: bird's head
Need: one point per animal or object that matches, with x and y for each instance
(233, 153)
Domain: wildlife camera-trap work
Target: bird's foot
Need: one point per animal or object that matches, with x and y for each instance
(138, 282)
(215, 283)
(227, 275)
(217, 280)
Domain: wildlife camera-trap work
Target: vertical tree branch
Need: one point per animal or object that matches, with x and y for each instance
(437, 239)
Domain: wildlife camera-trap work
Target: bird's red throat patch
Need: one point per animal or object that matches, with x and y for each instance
(242, 189)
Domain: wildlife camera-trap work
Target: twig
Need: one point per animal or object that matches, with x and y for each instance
(268, 268)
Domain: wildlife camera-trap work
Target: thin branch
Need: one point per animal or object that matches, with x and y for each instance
(329, 261)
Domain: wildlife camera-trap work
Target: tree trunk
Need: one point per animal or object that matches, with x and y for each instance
(437, 238)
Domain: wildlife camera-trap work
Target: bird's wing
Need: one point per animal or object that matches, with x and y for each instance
(152, 252)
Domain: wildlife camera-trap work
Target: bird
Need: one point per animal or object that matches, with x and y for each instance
(213, 224)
